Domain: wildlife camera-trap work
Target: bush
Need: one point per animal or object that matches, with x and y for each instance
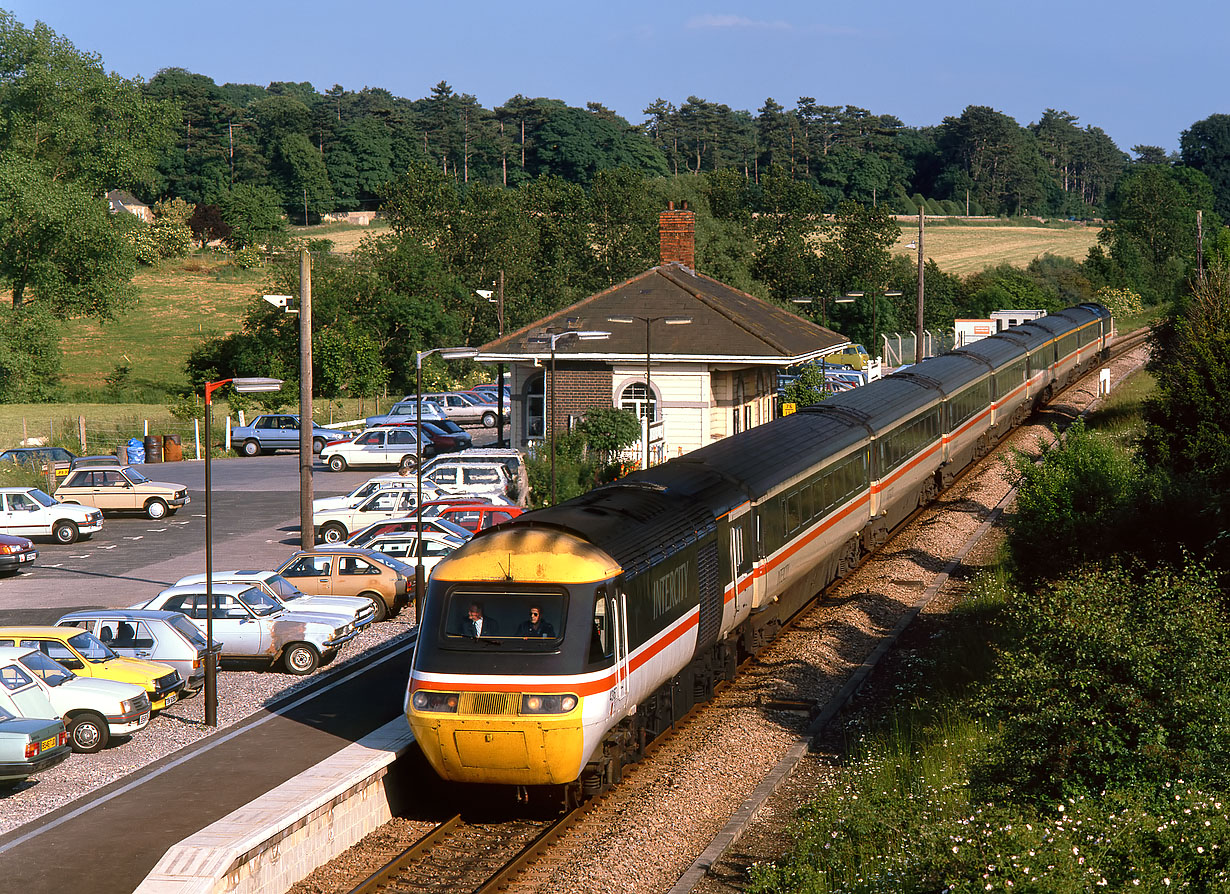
(249, 257)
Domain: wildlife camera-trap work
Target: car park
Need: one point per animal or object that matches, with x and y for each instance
(39, 458)
(463, 408)
(16, 553)
(470, 478)
(335, 525)
(251, 624)
(353, 609)
(29, 745)
(393, 446)
(86, 655)
(94, 710)
(351, 571)
(406, 524)
(29, 512)
(166, 637)
(122, 489)
(405, 410)
(280, 431)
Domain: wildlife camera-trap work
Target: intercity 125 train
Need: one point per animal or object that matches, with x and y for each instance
(648, 591)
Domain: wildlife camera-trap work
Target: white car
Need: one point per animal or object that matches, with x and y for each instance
(407, 525)
(251, 624)
(335, 525)
(31, 513)
(354, 609)
(408, 546)
(371, 486)
(484, 480)
(394, 446)
(93, 709)
(406, 411)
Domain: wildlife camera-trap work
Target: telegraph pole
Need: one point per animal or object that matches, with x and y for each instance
(307, 531)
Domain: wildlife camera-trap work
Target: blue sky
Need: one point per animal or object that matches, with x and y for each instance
(1143, 73)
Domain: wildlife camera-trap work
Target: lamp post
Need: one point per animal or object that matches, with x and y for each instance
(649, 321)
(824, 307)
(554, 338)
(243, 386)
(497, 298)
(447, 354)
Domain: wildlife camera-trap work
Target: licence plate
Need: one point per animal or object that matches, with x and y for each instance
(144, 718)
(47, 744)
(172, 699)
(27, 557)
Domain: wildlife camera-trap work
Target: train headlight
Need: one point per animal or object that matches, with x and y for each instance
(441, 702)
(547, 704)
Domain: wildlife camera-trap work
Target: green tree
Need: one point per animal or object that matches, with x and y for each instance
(30, 360)
(809, 388)
(254, 215)
(1205, 146)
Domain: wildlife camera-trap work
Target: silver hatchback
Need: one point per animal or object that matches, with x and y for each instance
(162, 636)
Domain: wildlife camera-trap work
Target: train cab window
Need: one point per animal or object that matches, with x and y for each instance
(521, 622)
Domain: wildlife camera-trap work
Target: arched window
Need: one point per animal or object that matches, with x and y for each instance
(535, 404)
(633, 398)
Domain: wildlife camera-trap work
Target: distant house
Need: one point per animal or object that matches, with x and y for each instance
(121, 201)
(712, 376)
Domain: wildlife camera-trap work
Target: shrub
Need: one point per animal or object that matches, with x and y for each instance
(249, 257)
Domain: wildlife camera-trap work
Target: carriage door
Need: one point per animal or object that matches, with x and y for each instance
(740, 565)
(620, 605)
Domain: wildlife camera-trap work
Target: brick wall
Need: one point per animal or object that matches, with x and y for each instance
(577, 390)
(677, 236)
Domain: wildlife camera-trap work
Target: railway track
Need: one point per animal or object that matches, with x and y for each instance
(461, 855)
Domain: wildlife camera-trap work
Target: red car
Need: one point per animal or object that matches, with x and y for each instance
(479, 516)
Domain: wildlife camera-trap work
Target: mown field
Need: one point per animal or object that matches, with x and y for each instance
(968, 249)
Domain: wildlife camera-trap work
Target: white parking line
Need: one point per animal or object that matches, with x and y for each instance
(56, 565)
(155, 530)
(86, 556)
(138, 537)
(112, 546)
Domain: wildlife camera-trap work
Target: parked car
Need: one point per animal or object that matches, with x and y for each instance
(86, 655)
(445, 436)
(470, 478)
(492, 397)
(355, 610)
(16, 553)
(29, 745)
(38, 459)
(513, 459)
(406, 411)
(409, 546)
(251, 624)
(280, 431)
(478, 516)
(406, 524)
(853, 357)
(371, 486)
(394, 446)
(335, 525)
(463, 408)
(122, 489)
(94, 459)
(166, 637)
(94, 710)
(350, 571)
(29, 512)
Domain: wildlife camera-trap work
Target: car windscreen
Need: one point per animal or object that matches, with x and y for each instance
(41, 497)
(90, 647)
(390, 562)
(283, 588)
(514, 621)
(259, 601)
(454, 529)
(187, 630)
(48, 670)
(134, 476)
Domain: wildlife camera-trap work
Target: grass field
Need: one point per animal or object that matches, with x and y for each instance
(969, 249)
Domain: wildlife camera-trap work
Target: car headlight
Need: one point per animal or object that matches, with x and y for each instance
(130, 706)
(548, 704)
(441, 702)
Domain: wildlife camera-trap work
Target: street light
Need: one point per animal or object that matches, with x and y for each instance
(648, 321)
(497, 298)
(824, 307)
(553, 338)
(243, 386)
(446, 354)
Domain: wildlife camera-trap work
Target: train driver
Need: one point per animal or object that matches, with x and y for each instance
(537, 625)
(477, 625)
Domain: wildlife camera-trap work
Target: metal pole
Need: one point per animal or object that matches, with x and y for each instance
(499, 411)
(307, 529)
(550, 421)
(419, 578)
(648, 399)
(211, 662)
(918, 323)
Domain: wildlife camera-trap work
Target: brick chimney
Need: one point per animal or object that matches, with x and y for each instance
(677, 235)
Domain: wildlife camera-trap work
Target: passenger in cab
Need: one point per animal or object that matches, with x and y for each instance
(477, 625)
(537, 625)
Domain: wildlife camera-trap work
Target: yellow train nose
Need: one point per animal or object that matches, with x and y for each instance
(529, 751)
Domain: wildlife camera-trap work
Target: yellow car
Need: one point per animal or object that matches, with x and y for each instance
(85, 655)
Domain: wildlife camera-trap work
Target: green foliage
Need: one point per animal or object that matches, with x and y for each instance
(254, 215)
(1109, 681)
(1205, 146)
(249, 257)
(582, 456)
(1082, 484)
(171, 232)
(609, 430)
(1120, 302)
(809, 388)
(30, 356)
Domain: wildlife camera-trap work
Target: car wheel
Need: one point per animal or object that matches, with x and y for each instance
(382, 610)
(318, 445)
(156, 509)
(333, 532)
(251, 447)
(489, 420)
(337, 464)
(300, 659)
(65, 532)
(88, 733)
(408, 462)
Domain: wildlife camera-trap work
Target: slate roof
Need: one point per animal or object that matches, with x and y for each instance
(727, 324)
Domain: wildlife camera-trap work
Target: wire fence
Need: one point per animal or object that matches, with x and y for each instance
(86, 436)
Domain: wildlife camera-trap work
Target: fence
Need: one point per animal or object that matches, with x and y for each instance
(84, 436)
(899, 347)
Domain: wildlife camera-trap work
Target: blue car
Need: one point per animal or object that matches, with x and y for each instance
(280, 431)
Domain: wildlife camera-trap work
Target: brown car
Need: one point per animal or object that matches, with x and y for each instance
(351, 571)
(121, 489)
